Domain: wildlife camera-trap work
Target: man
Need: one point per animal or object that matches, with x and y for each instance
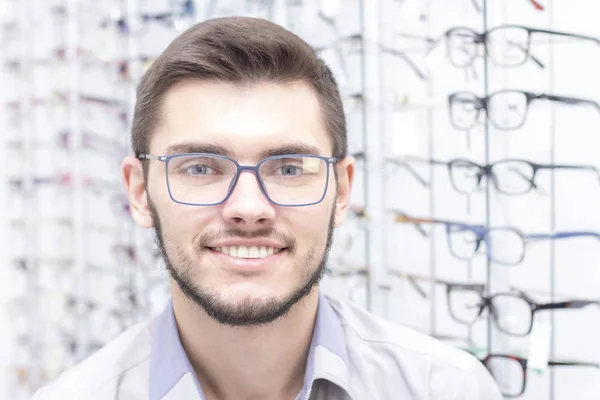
(241, 168)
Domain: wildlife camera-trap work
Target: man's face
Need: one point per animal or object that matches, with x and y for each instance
(196, 241)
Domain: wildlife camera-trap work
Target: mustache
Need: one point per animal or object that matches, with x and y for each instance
(264, 233)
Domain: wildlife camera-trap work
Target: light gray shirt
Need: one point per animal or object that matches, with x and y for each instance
(354, 355)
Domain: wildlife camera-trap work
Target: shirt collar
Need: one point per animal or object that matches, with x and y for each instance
(327, 356)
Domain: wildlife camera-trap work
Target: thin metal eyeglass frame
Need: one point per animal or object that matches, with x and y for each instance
(240, 168)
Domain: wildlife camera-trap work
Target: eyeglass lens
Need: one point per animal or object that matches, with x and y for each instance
(464, 304)
(205, 179)
(508, 374)
(512, 314)
(506, 46)
(503, 245)
(461, 46)
(507, 109)
(464, 110)
(510, 177)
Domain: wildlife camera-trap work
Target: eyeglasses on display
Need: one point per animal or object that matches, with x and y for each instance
(513, 312)
(202, 179)
(509, 176)
(505, 109)
(505, 45)
(510, 371)
(503, 245)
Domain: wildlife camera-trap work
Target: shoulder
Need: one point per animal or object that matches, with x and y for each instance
(397, 356)
(103, 368)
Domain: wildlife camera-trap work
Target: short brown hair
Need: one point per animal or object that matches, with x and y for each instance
(242, 51)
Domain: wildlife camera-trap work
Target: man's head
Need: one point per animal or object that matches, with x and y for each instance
(244, 89)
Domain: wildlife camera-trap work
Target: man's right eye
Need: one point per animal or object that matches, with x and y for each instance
(199, 170)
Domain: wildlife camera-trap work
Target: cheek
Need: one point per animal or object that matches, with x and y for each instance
(310, 226)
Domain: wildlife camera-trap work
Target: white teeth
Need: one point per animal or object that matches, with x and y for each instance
(248, 251)
(253, 252)
(263, 252)
(231, 250)
(242, 252)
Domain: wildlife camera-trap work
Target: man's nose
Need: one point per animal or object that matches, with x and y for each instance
(247, 205)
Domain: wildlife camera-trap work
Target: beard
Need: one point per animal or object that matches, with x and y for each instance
(248, 312)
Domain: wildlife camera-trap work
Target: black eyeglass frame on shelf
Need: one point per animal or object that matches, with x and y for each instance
(488, 302)
(487, 360)
(482, 103)
(482, 38)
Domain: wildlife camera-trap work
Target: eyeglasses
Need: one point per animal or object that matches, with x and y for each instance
(513, 312)
(201, 179)
(505, 109)
(510, 371)
(509, 176)
(504, 245)
(505, 45)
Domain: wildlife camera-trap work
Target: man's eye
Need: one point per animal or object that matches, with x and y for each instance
(290, 170)
(199, 170)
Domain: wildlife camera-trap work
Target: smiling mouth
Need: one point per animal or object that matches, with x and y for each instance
(248, 252)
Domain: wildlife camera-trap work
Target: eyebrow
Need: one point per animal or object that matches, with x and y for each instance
(191, 147)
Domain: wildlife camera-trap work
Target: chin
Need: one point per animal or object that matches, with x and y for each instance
(248, 292)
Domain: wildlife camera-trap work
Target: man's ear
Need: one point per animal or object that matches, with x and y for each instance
(133, 178)
(345, 170)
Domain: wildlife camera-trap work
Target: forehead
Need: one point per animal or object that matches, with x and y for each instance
(247, 121)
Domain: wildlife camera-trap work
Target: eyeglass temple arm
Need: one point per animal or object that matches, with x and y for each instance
(576, 304)
(428, 40)
(413, 280)
(560, 235)
(531, 181)
(401, 54)
(566, 34)
(404, 164)
(527, 53)
(568, 100)
(567, 166)
(401, 217)
(148, 157)
(573, 364)
(538, 6)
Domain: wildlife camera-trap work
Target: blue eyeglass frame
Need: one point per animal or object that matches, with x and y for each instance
(240, 169)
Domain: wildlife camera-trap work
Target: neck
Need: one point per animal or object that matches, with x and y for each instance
(257, 362)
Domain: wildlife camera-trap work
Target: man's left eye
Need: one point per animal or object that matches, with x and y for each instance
(290, 170)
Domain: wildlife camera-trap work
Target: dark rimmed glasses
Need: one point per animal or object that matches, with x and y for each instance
(505, 109)
(510, 371)
(202, 179)
(505, 45)
(513, 312)
(510, 176)
(503, 245)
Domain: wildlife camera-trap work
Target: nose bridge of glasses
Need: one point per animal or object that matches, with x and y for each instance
(253, 170)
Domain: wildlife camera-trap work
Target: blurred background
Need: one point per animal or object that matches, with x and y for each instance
(476, 126)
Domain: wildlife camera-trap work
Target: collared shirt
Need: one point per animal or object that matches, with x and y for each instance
(354, 355)
(327, 356)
